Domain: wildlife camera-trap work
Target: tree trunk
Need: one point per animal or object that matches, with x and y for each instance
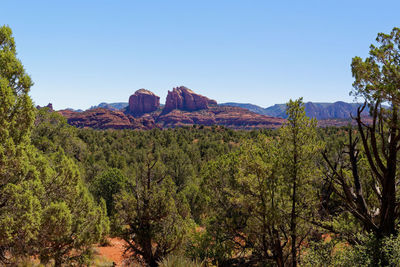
(57, 261)
(147, 248)
(387, 225)
(278, 249)
(293, 216)
(153, 263)
(293, 226)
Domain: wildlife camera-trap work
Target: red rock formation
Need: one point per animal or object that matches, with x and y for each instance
(240, 118)
(183, 107)
(101, 118)
(232, 117)
(143, 101)
(185, 99)
(180, 118)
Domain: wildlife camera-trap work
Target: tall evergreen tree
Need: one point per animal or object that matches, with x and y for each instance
(299, 147)
(19, 207)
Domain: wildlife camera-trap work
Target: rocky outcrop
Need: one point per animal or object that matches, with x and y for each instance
(177, 118)
(102, 118)
(49, 107)
(185, 99)
(143, 101)
(232, 117)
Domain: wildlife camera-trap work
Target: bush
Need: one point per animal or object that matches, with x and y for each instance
(366, 253)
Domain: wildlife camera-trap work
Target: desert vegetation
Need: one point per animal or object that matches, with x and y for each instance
(203, 196)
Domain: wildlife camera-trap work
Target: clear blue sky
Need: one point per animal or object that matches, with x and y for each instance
(83, 52)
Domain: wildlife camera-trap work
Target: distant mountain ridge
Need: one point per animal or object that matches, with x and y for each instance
(111, 106)
(251, 107)
(318, 110)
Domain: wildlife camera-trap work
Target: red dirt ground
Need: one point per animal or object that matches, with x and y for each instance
(114, 252)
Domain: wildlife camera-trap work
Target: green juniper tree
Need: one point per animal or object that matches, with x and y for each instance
(147, 211)
(72, 221)
(19, 207)
(107, 185)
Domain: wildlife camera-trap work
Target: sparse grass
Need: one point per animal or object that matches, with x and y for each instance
(179, 261)
(27, 263)
(100, 261)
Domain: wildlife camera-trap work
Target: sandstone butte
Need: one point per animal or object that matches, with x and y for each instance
(143, 101)
(183, 107)
(185, 99)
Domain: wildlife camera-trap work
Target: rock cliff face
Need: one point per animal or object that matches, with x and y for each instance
(143, 101)
(185, 99)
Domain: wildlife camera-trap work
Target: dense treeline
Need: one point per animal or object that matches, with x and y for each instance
(169, 185)
(298, 195)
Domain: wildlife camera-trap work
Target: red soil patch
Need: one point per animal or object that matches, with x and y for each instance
(114, 251)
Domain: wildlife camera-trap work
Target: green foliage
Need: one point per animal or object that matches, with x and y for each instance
(108, 184)
(51, 132)
(71, 220)
(337, 252)
(362, 172)
(16, 112)
(261, 197)
(228, 198)
(45, 209)
(377, 77)
(19, 207)
(148, 214)
(299, 148)
(19, 218)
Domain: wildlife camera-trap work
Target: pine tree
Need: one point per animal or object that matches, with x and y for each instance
(299, 147)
